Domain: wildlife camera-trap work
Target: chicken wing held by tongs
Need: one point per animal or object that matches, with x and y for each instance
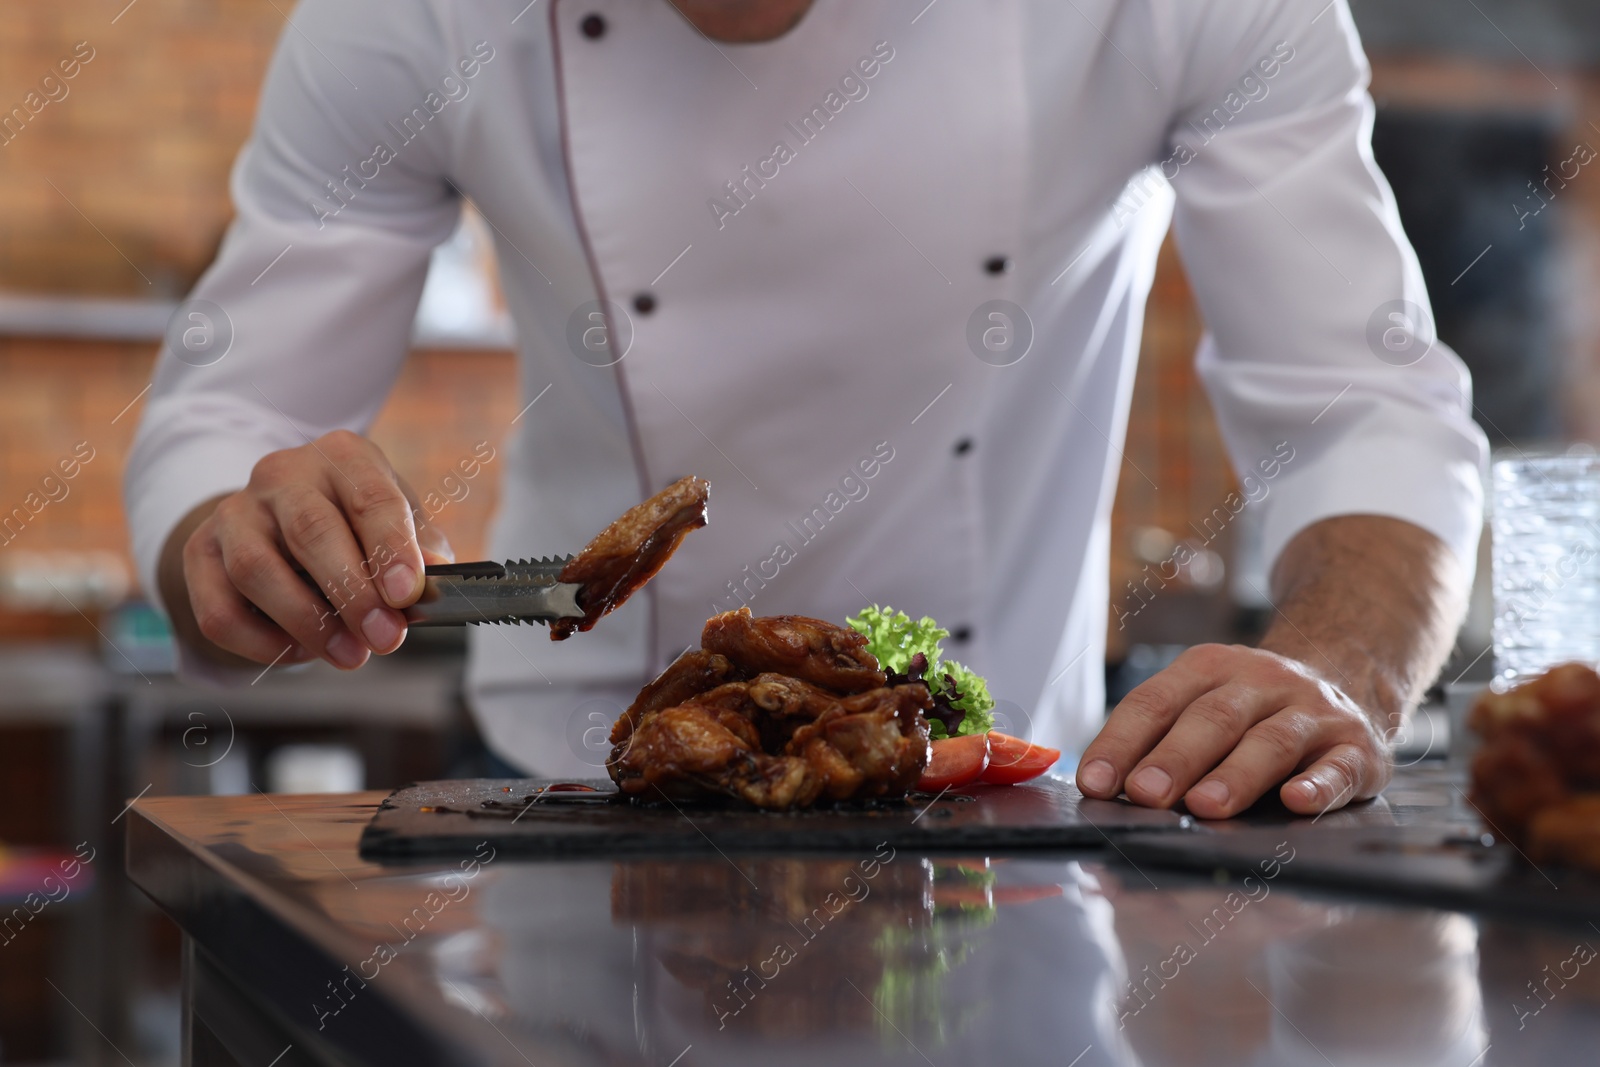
(570, 593)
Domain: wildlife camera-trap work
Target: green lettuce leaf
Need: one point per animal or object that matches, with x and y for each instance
(894, 639)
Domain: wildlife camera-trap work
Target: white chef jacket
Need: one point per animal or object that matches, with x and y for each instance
(822, 222)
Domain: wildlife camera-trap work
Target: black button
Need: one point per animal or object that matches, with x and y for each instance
(644, 303)
(961, 634)
(997, 264)
(963, 446)
(593, 27)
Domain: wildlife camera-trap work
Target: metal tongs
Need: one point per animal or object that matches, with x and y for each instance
(516, 591)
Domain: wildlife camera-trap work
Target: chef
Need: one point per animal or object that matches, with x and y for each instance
(878, 271)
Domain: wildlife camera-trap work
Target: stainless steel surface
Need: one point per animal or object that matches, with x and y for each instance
(876, 957)
(514, 592)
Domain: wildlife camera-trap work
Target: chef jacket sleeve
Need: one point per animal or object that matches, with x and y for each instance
(301, 324)
(1332, 394)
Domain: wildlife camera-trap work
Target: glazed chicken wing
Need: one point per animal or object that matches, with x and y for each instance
(776, 712)
(772, 741)
(1536, 779)
(687, 753)
(777, 704)
(872, 744)
(834, 657)
(688, 676)
(630, 551)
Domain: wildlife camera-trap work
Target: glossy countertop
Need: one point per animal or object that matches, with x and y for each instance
(1075, 959)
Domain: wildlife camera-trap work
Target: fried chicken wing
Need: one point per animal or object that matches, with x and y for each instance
(689, 675)
(777, 712)
(686, 752)
(874, 744)
(1567, 832)
(777, 742)
(630, 551)
(834, 657)
(1536, 779)
(777, 704)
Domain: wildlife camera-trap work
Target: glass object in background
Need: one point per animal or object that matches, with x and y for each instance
(1546, 529)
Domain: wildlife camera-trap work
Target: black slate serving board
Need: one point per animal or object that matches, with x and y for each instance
(522, 817)
(1458, 866)
(1422, 841)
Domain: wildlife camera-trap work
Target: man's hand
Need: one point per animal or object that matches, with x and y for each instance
(335, 510)
(1237, 721)
(1367, 609)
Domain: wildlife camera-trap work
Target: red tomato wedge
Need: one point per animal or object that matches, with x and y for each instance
(1013, 760)
(955, 761)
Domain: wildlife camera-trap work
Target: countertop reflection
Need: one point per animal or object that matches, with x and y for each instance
(1073, 959)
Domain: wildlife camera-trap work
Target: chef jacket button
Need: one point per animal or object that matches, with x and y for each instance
(593, 27)
(961, 634)
(997, 264)
(644, 303)
(963, 446)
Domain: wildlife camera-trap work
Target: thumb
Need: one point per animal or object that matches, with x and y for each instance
(1342, 774)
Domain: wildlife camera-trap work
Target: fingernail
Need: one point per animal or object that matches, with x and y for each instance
(1306, 788)
(399, 582)
(346, 650)
(381, 629)
(1212, 791)
(1097, 776)
(1152, 782)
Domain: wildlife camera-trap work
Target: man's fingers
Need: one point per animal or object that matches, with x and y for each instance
(1269, 752)
(1340, 775)
(332, 509)
(379, 514)
(225, 617)
(1203, 735)
(430, 536)
(256, 569)
(436, 548)
(1223, 725)
(319, 537)
(1143, 718)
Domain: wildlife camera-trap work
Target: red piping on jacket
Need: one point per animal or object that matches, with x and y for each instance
(635, 441)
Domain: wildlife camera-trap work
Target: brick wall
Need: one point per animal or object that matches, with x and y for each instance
(120, 187)
(57, 394)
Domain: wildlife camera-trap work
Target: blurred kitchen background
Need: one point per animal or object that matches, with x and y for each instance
(113, 200)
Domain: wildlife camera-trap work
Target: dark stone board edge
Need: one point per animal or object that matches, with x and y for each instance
(459, 835)
(1507, 885)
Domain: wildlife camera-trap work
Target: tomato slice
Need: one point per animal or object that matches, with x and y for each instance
(1013, 760)
(955, 761)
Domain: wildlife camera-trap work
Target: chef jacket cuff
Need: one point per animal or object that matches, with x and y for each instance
(1381, 475)
(159, 494)
(182, 478)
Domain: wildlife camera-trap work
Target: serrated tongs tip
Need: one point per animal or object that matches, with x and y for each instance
(514, 592)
